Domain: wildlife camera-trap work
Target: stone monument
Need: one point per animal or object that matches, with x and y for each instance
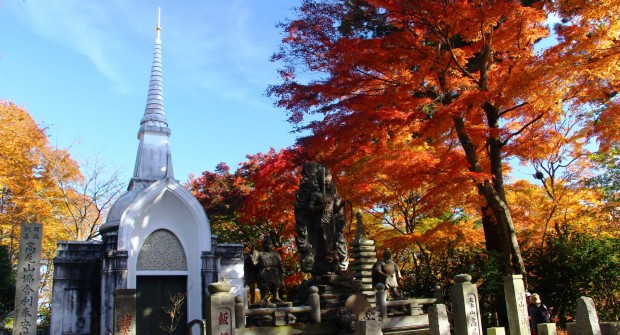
(586, 319)
(466, 311)
(518, 319)
(27, 282)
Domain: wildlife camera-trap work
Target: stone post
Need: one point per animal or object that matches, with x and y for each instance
(220, 309)
(516, 306)
(125, 312)
(27, 281)
(496, 331)
(381, 300)
(315, 304)
(465, 309)
(239, 312)
(438, 322)
(586, 319)
(547, 329)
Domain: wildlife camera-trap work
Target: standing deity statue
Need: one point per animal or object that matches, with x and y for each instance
(269, 271)
(320, 223)
(387, 272)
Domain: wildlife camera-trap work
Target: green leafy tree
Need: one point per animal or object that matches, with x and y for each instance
(609, 180)
(574, 265)
(7, 284)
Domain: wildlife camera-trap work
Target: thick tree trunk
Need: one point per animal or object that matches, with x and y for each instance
(495, 200)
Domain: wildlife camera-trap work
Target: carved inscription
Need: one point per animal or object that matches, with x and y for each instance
(28, 276)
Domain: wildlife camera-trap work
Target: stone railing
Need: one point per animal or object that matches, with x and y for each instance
(403, 307)
(280, 315)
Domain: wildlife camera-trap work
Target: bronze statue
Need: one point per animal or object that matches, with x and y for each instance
(320, 222)
(387, 272)
(269, 271)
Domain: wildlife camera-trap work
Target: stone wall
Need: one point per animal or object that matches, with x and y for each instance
(76, 289)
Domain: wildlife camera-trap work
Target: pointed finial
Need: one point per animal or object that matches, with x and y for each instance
(158, 29)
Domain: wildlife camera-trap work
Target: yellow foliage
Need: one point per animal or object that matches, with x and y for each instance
(30, 170)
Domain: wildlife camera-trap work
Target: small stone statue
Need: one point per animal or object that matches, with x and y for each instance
(269, 271)
(387, 272)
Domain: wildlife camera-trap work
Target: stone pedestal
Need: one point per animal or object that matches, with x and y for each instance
(546, 329)
(438, 323)
(220, 308)
(333, 291)
(465, 307)
(518, 318)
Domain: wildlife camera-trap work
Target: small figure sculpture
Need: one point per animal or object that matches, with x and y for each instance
(320, 222)
(387, 272)
(270, 271)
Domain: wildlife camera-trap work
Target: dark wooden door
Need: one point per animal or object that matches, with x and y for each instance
(153, 294)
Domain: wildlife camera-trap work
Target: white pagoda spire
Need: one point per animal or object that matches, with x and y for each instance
(153, 161)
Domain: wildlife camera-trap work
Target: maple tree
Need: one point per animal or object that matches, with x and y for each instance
(31, 171)
(465, 78)
(221, 194)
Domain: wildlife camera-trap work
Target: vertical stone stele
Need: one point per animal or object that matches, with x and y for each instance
(27, 281)
(516, 305)
(465, 307)
(586, 319)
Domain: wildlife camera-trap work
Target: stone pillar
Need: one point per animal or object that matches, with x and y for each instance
(113, 277)
(239, 312)
(438, 322)
(381, 300)
(27, 281)
(315, 304)
(586, 319)
(364, 258)
(125, 312)
(546, 329)
(516, 306)
(220, 309)
(465, 309)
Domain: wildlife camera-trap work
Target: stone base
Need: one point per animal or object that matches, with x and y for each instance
(334, 290)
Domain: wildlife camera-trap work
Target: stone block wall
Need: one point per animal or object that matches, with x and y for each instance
(76, 288)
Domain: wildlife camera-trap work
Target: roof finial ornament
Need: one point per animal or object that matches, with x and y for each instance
(158, 29)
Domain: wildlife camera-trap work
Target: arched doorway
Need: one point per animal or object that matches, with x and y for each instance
(161, 285)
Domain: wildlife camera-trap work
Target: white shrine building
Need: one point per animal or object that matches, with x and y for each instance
(156, 240)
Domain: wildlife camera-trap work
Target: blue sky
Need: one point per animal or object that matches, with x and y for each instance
(81, 68)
